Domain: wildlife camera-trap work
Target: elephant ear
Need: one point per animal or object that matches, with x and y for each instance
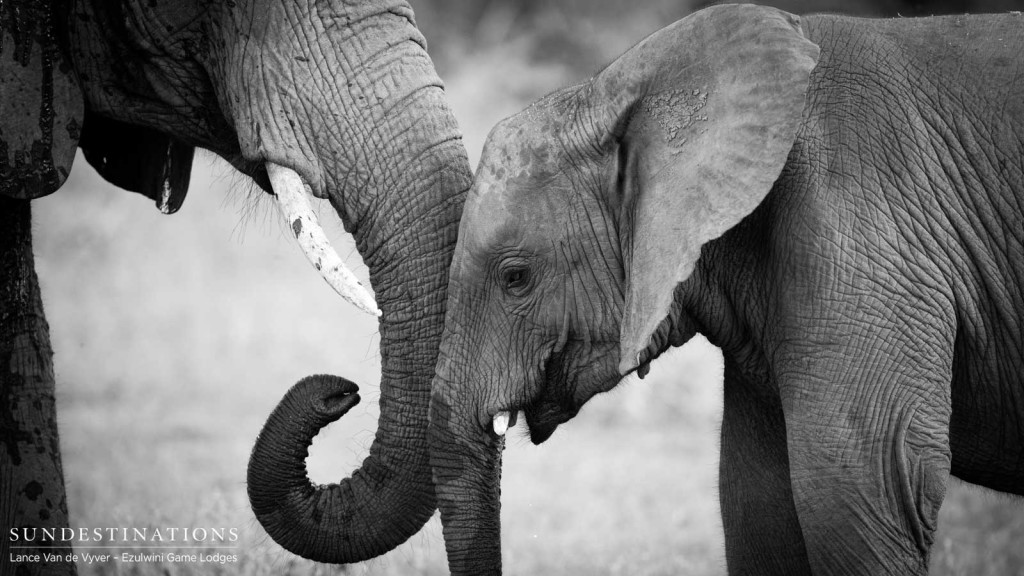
(42, 101)
(139, 159)
(704, 113)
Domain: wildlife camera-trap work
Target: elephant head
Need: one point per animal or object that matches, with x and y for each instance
(337, 98)
(588, 210)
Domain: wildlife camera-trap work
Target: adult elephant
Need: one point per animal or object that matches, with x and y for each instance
(339, 98)
(837, 203)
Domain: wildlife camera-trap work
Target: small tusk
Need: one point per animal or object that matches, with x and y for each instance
(294, 205)
(501, 423)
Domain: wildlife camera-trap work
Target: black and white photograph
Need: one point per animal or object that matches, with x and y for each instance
(522, 287)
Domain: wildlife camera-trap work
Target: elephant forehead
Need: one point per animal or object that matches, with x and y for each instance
(504, 214)
(519, 183)
(522, 150)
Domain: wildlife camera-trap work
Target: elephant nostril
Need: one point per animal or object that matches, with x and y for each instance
(327, 395)
(338, 403)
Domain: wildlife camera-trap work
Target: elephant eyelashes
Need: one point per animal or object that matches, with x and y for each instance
(515, 280)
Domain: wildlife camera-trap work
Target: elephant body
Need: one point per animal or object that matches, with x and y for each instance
(836, 203)
(338, 98)
(935, 180)
(31, 474)
(870, 310)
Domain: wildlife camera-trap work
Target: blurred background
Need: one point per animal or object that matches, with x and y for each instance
(176, 336)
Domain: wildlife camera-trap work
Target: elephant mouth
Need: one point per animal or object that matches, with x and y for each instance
(545, 415)
(555, 404)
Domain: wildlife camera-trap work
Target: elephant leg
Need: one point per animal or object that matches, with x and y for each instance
(31, 478)
(762, 531)
(867, 421)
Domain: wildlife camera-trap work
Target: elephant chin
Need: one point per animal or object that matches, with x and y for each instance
(555, 404)
(544, 417)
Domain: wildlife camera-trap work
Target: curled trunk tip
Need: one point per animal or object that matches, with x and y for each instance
(359, 518)
(277, 466)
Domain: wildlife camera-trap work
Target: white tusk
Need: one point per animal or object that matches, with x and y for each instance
(294, 205)
(501, 423)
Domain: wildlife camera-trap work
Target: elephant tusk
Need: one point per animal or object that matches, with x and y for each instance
(501, 420)
(294, 205)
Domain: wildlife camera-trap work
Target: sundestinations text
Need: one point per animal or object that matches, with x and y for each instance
(66, 535)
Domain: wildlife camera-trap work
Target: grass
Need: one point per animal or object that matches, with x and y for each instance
(176, 336)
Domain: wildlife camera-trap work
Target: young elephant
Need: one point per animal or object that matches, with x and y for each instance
(837, 203)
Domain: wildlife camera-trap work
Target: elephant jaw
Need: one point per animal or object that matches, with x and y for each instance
(543, 416)
(296, 209)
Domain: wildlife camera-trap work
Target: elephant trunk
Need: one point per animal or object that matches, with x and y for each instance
(406, 235)
(281, 495)
(465, 455)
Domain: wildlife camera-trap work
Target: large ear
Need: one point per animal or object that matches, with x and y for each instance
(704, 113)
(42, 102)
(139, 159)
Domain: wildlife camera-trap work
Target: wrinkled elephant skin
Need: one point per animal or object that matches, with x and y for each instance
(338, 98)
(834, 202)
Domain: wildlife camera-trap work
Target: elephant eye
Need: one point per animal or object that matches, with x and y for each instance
(515, 280)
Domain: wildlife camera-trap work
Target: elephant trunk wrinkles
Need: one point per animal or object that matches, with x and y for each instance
(466, 460)
(406, 239)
